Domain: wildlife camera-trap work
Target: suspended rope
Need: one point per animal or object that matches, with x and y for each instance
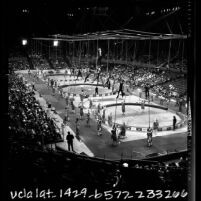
(56, 52)
(114, 52)
(36, 48)
(41, 50)
(169, 53)
(157, 53)
(177, 54)
(97, 55)
(115, 113)
(73, 53)
(149, 86)
(49, 51)
(126, 46)
(108, 52)
(88, 52)
(149, 53)
(79, 50)
(122, 50)
(134, 52)
(182, 58)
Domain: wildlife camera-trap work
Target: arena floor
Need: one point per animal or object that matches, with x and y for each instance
(134, 145)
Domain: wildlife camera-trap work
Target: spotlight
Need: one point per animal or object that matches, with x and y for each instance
(24, 42)
(55, 43)
(125, 164)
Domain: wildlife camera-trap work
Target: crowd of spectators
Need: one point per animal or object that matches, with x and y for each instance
(39, 61)
(28, 122)
(162, 83)
(174, 89)
(58, 62)
(17, 62)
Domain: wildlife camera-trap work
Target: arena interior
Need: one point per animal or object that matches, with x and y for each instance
(98, 98)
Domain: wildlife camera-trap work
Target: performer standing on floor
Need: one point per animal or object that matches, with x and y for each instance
(62, 129)
(77, 128)
(98, 72)
(90, 103)
(103, 115)
(122, 133)
(107, 83)
(81, 110)
(88, 118)
(79, 74)
(82, 95)
(123, 108)
(155, 127)
(96, 90)
(174, 122)
(114, 135)
(67, 99)
(149, 137)
(87, 75)
(65, 75)
(121, 89)
(142, 105)
(99, 126)
(110, 119)
(69, 139)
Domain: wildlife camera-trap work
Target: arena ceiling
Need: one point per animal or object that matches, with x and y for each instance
(96, 20)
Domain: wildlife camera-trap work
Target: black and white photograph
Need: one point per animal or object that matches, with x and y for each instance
(100, 100)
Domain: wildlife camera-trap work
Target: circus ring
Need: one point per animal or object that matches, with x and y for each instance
(63, 78)
(88, 88)
(137, 119)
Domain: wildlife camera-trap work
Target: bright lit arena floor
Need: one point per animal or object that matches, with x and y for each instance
(134, 115)
(134, 145)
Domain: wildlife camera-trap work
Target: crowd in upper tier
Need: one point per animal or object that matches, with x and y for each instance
(163, 83)
(18, 63)
(39, 61)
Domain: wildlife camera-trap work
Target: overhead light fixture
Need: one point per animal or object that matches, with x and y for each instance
(125, 164)
(24, 42)
(55, 43)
